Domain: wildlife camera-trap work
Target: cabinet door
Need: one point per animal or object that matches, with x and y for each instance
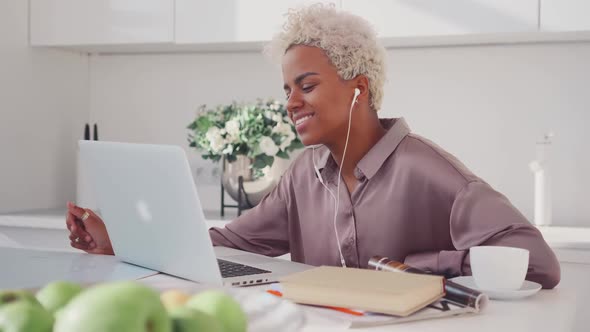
(565, 15)
(96, 22)
(223, 21)
(407, 18)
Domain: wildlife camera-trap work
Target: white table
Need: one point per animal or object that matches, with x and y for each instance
(562, 309)
(549, 310)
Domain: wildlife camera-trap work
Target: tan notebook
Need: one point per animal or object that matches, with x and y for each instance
(399, 294)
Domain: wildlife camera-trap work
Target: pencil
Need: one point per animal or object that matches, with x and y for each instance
(344, 310)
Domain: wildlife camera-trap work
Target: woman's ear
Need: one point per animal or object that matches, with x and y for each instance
(361, 82)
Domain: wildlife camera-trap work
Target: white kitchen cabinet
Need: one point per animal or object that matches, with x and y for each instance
(101, 22)
(412, 18)
(136, 26)
(158, 25)
(223, 21)
(565, 15)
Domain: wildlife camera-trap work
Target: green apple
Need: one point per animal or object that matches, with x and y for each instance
(221, 306)
(10, 296)
(118, 306)
(173, 298)
(24, 316)
(186, 319)
(57, 294)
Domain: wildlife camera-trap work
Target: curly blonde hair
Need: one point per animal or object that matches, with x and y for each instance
(349, 41)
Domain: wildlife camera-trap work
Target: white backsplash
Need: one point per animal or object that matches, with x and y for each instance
(485, 104)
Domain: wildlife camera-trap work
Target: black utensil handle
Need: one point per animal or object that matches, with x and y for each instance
(95, 132)
(87, 132)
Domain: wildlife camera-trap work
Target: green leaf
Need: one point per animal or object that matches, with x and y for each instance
(277, 138)
(296, 144)
(283, 154)
(253, 126)
(269, 160)
(231, 158)
(203, 124)
(261, 161)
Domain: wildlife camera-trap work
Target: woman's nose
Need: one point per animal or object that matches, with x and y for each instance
(294, 102)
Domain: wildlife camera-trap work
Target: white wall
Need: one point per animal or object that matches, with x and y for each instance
(152, 98)
(43, 104)
(486, 104)
(489, 105)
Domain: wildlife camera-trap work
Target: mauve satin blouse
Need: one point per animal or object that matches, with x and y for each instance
(414, 203)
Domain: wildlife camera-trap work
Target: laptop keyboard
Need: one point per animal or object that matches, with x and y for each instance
(231, 269)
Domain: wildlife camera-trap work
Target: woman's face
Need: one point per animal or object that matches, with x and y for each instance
(318, 100)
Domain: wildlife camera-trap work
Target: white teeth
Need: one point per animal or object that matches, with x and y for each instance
(303, 119)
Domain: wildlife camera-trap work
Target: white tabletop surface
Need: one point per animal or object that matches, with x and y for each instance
(548, 310)
(28, 268)
(562, 309)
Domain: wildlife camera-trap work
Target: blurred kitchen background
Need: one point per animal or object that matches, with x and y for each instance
(485, 79)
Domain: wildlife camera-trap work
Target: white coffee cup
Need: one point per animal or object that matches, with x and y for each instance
(499, 268)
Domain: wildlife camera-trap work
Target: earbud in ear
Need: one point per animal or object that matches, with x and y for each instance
(357, 92)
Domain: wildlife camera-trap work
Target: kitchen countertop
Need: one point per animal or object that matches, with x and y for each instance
(571, 244)
(566, 237)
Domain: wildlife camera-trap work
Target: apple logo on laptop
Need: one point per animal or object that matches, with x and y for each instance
(144, 211)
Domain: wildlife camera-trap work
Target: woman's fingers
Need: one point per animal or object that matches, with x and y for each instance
(100, 252)
(74, 222)
(77, 231)
(80, 243)
(70, 221)
(77, 211)
(81, 246)
(92, 214)
(77, 239)
(72, 218)
(90, 234)
(88, 240)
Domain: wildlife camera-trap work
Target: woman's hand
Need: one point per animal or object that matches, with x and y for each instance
(87, 231)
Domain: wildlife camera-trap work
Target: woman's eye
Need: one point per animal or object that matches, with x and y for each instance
(307, 88)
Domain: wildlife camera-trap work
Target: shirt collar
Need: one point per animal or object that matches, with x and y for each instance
(397, 130)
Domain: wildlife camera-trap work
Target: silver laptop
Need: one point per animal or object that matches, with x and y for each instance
(147, 198)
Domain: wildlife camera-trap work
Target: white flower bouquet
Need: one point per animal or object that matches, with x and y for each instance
(260, 131)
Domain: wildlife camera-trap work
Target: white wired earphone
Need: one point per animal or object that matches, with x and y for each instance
(357, 92)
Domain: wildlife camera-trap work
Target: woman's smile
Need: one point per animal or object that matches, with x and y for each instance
(302, 121)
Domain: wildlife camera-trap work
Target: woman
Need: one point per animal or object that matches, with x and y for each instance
(401, 196)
